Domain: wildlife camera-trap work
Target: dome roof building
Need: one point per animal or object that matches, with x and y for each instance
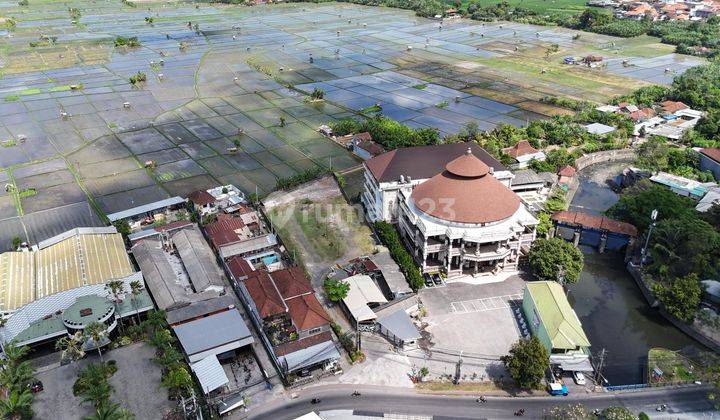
(462, 220)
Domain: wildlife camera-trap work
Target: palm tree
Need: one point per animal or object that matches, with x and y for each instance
(17, 405)
(97, 395)
(72, 346)
(156, 320)
(89, 377)
(17, 376)
(14, 353)
(136, 287)
(97, 332)
(110, 411)
(117, 288)
(177, 380)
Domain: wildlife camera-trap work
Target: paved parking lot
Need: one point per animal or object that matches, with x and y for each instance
(475, 320)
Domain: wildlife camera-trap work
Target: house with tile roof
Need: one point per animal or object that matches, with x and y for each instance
(292, 318)
(710, 161)
(523, 153)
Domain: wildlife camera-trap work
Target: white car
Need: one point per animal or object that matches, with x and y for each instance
(579, 378)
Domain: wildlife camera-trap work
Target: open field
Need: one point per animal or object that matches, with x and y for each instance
(225, 102)
(319, 230)
(566, 7)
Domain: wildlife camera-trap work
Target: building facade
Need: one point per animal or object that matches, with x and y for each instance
(461, 220)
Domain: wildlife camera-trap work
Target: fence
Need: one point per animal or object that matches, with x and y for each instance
(626, 387)
(604, 156)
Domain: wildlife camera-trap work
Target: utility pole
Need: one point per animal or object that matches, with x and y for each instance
(643, 252)
(359, 339)
(599, 368)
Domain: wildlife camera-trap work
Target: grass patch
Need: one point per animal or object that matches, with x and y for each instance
(9, 143)
(442, 105)
(421, 86)
(674, 366)
(469, 387)
(317, 224)
(371, 109)
(27, 92)
(12, 98)
(27, 192)
(63, 88)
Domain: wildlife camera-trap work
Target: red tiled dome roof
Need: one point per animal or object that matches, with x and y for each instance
(466, 192)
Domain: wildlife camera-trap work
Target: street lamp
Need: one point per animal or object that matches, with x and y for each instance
(643, 252)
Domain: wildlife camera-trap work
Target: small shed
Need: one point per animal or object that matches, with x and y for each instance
(210, 374)
(399, 329)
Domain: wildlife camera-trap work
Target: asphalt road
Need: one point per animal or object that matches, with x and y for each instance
(682, 402)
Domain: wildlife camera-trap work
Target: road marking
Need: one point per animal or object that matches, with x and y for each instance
(485, 304)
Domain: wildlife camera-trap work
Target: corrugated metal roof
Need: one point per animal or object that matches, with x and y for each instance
(253, 244)
(172, 201)
(400, 325)
(309, 356)
(394, 278)
(560, 320)
(213, 331)
(363, 291)
(210, 374)
(198, 258)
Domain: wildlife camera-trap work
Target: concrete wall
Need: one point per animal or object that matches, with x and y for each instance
(604, 156)
(707, 164)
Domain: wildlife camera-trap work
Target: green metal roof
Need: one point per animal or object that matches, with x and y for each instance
(556, 314)
(97, 308)
(46, 327)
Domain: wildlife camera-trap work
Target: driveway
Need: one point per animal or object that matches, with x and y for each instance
(136, 383)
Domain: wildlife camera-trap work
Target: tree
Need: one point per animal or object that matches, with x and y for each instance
(569, 412)
(156, 320)
(97, 332)
(685, 245)
(336, 290)
(110, 411)
(123, 227)
(16, 242)
(136, 287)
(17, 405)
(682, 298)
(617, 413)
(317, 94)
(526, 362)
(555, 260)
(178, 381)
(653, 154)
(92, 375)
(72, 347)
(117, 288)
(98, 394)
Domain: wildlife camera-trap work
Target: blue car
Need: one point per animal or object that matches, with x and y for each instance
(557, 388)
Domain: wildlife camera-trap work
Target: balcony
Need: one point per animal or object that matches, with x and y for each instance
(485, 253)
(434, 245)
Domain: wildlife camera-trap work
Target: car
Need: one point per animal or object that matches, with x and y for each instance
(428, 281)
(437, 279)
(557, 388)
(36, 387)
(579, 378)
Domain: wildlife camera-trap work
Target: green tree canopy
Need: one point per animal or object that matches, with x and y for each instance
(555, 260)
(526, 362)
(682, 298)
(684, 245)
(336, 290)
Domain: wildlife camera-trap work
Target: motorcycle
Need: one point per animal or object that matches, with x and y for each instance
(315, 401)
(520, 412)
(481, 399)
(355, 394)
(661, 407)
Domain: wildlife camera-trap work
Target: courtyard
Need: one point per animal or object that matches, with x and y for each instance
(136, 379)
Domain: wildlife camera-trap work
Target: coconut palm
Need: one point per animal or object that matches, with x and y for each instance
(117, 288)
(136, 287)
(17, 376)
(92, 375)
(156, 320)
(98, 394)
(110, 411)
(17, 405)
(169, 357)
(97, 332)
(14, 353)
(72, 346)
(178, 380)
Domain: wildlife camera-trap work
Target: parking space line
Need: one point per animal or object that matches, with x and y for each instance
(486, 304)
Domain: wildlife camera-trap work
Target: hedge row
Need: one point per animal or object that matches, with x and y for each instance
(390, 238)
(301, 178)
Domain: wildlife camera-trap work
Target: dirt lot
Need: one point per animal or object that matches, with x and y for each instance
(318, 226)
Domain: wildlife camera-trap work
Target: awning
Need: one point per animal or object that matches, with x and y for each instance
(399, 324)
(574, 365)
(210, 374)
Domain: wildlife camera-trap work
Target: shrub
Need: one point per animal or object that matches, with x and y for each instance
(390, 238)
(138, 77)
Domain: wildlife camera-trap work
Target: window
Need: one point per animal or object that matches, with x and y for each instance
(314, 331)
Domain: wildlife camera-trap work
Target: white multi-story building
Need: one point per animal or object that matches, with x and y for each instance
(453, 207)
